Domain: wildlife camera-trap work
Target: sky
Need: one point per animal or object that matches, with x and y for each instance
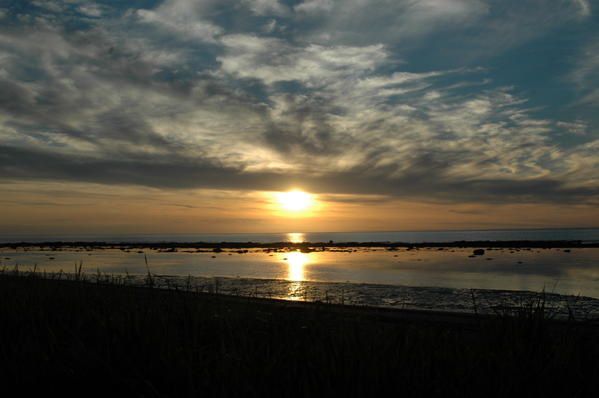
(183, 116)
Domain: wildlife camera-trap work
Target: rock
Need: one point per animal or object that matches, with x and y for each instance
(478, 252)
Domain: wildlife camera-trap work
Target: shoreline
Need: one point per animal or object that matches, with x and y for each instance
(390, 314)
(481, 302)
(375, 312)
(362, 312)
(314, 246)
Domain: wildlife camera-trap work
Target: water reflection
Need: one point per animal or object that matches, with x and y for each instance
(296, 237)
(296, 262)
(576, 271)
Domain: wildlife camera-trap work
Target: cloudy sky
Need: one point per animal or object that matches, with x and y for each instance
(186, 115)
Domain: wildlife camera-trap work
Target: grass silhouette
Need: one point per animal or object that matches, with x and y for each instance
(98, 338)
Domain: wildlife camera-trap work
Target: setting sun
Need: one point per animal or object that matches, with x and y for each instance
(295, 200)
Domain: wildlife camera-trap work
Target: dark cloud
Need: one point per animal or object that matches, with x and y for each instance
(177, 173)
(304, 128)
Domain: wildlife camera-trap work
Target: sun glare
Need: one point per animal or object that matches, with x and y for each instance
(297, 262)
(296, 237)
(295, 200)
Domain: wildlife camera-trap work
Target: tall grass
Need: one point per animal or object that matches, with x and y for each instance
(73, 336)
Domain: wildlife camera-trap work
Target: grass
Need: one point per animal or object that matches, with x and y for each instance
(100, 338)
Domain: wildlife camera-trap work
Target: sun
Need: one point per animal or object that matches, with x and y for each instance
(295, 200)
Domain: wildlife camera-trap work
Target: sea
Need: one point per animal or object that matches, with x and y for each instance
(441, 279)
(581, 234)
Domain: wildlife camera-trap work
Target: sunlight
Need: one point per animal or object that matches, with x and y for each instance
(296, 237)
(296, 274)
(297, 262)
(295, 200)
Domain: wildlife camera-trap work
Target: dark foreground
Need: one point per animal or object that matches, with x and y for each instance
(78, 337)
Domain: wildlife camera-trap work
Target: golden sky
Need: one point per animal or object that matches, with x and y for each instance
(64, 208)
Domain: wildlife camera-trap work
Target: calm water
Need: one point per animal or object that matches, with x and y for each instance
(424, 278)
(587, 235)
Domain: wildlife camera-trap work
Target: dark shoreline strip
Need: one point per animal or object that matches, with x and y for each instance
(521, 244)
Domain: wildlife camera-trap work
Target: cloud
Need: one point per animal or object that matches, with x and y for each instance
(273, 60)
(584, 6)
(270, 26)
(314, 6)
(459, 31)
(387, 21)
(173, 97)
(91, 10)
(54, 6)
(182, 17)
(577, 127)
(186, 173)
(266, 7)
(585, 73)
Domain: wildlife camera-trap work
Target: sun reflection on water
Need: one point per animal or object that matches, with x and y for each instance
(296, 237)
(296, 263)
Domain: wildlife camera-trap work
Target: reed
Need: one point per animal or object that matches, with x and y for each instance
(150, 277)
